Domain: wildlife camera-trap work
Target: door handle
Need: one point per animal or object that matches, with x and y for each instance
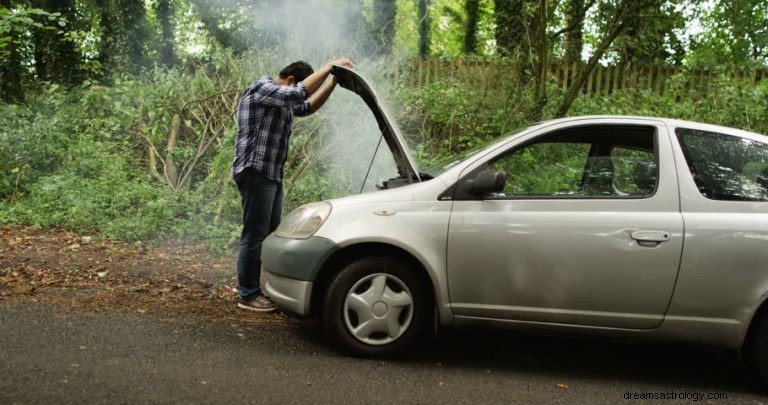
(650, 236)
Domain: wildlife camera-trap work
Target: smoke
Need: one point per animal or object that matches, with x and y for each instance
(296, 29)
(341, 143)
(347, 149)
(317, 29)
(345, 145)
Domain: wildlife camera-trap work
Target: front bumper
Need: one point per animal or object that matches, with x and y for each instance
(289, 294)
(292, 266)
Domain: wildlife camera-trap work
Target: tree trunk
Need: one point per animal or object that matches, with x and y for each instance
(384, 12)
(574, 38)
(11, 70)
(472, 10)
(135, 33)
(171, 172)
(165, 12)
(510, 29)
(424, 28)
(541, 68)
(108, 38)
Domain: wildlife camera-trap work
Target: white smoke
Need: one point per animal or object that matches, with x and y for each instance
(342, 141)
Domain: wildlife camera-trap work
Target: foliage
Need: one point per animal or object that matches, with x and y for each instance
(117, 145)
(736, 103)
(14, 23)
(735, 31)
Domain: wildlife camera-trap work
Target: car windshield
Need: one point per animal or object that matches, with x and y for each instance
(436, 169)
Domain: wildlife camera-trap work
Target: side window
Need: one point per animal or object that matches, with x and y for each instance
(634, 171)
(726, 167)
(585, 162)
(544, 169)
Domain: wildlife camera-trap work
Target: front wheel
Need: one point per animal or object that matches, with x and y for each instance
(377, 306)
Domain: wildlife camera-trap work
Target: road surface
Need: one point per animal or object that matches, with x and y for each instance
(49, 354)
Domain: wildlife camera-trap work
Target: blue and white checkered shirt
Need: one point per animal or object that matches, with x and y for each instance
(264, 118)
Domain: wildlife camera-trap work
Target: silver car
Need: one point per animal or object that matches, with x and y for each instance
(616, 227)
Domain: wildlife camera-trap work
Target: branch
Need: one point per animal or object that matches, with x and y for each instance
(207, 98)
(576, 23)
(623, 15)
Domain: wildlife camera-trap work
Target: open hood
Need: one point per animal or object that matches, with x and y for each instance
(406, 166)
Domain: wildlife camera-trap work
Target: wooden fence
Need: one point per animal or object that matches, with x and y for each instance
(602, 81)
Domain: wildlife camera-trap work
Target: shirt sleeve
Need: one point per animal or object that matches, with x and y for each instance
(270, 93)
(303, 109)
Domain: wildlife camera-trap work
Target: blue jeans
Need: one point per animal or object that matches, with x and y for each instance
(262, 201)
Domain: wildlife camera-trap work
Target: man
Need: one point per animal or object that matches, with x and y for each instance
(264, 118)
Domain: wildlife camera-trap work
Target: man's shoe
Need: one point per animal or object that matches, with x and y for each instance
(258, 304)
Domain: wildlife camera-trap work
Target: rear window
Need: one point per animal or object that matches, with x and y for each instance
(726, 167)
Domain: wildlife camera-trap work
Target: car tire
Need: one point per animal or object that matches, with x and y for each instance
(756, 350)
(377, 306)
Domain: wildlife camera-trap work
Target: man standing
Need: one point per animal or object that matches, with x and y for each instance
(264, 118)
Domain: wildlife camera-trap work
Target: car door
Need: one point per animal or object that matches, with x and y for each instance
(587, 229)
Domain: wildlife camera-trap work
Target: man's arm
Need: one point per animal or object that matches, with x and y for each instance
(313, 81)
(318, 99)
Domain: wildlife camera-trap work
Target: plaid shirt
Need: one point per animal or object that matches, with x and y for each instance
(264, 118)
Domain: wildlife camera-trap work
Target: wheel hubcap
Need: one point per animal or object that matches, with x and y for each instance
(378, 309)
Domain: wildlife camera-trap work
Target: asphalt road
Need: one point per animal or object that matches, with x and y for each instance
(50, 355)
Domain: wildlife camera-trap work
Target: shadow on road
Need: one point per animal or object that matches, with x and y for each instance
(628, 364)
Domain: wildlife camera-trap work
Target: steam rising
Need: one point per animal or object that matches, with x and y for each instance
(342, 140)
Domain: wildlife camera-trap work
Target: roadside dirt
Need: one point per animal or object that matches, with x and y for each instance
(90, 273)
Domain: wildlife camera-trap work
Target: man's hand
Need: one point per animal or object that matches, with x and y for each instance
(313, 81)
(347, 63)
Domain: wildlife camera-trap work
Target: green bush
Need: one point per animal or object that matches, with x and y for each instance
(79, 158)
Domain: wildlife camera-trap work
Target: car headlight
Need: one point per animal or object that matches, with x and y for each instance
(304, 221)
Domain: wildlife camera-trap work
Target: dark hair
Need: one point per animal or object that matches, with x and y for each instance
(299, 70)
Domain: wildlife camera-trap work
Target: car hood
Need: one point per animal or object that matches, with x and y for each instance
(406, 165)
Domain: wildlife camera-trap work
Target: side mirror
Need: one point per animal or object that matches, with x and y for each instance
(487, 181)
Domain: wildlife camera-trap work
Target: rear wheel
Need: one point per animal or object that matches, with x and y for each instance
(377, 306)
(756, 349)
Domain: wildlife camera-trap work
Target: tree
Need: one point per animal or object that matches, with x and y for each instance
(17, 21)
(510, 26)
(652, 39)
(626, 12)
(210, 19)
(124, 34)
(472, 10)
(383, 31)
(165, 11)
(423, 28)
(574, 36)
(736, 32)
(541, 66)
(135, 33)
(57, 59)
(11, 29)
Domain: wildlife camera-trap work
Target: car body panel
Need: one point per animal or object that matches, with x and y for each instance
(299, 259)
(290, 294)
(725, 260)
(409, 218)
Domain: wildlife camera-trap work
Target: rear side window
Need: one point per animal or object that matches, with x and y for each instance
(726, 167)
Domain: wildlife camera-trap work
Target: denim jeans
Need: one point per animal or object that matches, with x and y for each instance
(262, 201)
